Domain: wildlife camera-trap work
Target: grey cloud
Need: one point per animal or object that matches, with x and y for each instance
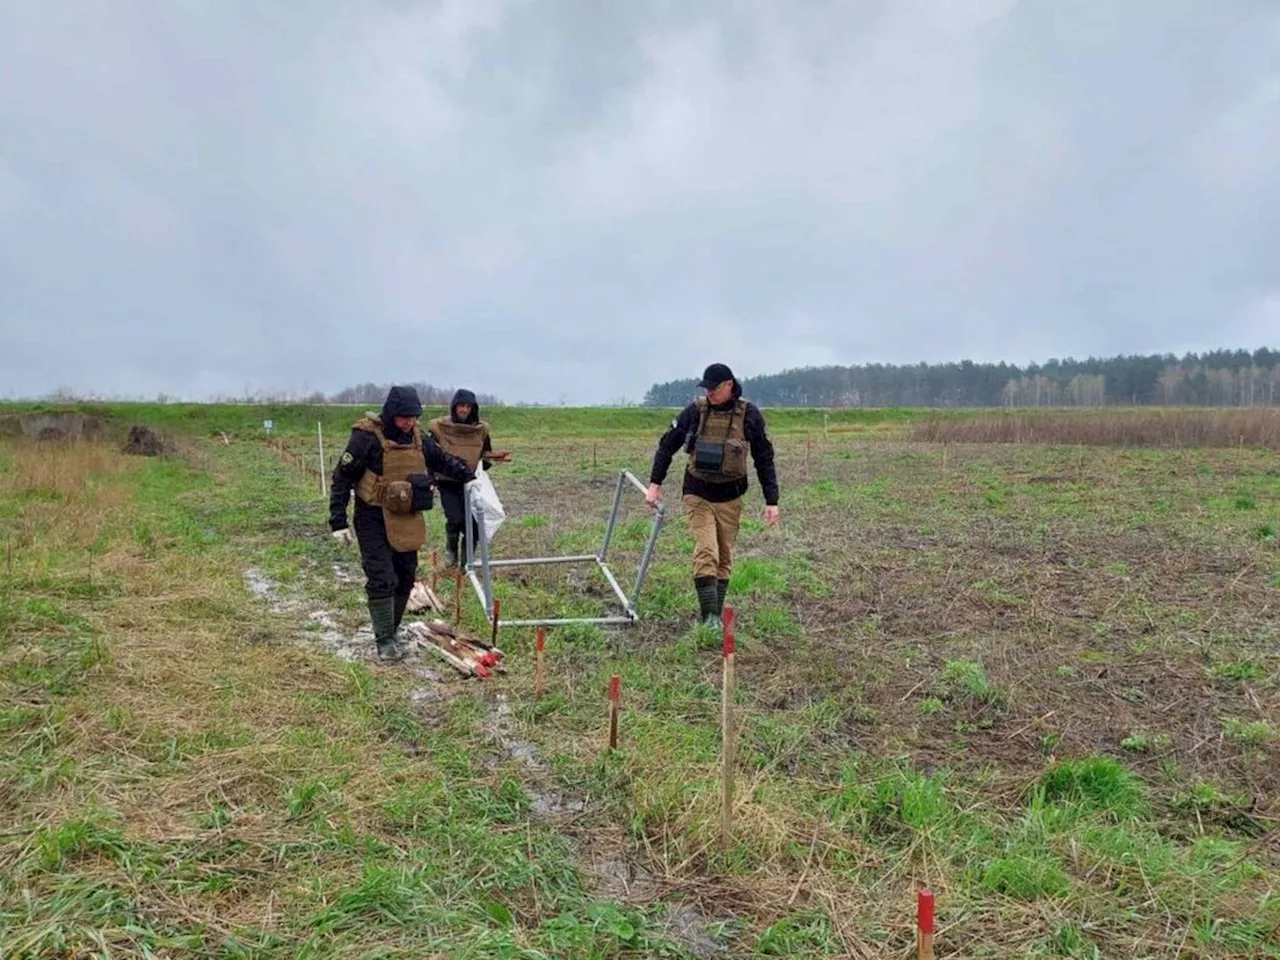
(572, 200)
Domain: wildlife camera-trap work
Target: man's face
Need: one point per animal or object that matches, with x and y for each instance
(405, 424)
(720, 392)
(463, 410)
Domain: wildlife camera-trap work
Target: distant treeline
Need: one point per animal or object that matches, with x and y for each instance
(1225, 378)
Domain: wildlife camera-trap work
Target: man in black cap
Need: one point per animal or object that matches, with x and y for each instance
(386, 461)
(716, 432)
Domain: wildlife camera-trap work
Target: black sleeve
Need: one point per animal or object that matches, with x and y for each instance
(350, 468)
(670, 442)
(445, 464)
(487, 448)
(762, 453)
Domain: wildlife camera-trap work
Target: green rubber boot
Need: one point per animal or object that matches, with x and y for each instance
(382, 612)
(708, 599)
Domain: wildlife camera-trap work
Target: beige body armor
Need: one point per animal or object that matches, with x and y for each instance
(719, 451)
(465, 440)
(392, 489)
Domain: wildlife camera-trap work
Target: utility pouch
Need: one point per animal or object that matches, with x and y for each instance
(423, 495)
(397, 496)
(708, 456)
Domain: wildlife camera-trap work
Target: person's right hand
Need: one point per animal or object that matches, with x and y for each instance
(344, 537)
(653, 494)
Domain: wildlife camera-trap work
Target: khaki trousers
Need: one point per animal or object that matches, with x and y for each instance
(715, 531)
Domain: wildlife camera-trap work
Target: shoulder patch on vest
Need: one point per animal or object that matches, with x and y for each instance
(346, 456)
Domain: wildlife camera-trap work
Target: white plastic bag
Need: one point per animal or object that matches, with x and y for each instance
(485, 496)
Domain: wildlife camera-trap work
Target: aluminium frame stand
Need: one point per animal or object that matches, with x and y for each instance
(480, 569)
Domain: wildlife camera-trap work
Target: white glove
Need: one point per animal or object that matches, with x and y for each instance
(344, 537)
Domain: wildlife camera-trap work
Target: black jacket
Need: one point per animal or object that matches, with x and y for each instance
(757, 437)
(364, 452)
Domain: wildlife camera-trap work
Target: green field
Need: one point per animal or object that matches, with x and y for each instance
(1040, 680)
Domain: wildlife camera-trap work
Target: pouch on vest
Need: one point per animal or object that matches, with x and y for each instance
(397, 496)
(708, 455)
(423, 492)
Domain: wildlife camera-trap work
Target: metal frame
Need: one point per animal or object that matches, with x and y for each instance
(480, 570)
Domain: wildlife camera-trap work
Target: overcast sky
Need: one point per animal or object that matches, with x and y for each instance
(568, 201)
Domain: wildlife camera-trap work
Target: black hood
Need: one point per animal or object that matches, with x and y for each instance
(464, 396)
(400, 402)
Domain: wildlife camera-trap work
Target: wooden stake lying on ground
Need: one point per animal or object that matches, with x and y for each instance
(539, 668)
(924, 925)
(727, 733)
(613, 712)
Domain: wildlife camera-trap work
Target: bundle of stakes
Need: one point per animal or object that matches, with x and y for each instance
(469, 655)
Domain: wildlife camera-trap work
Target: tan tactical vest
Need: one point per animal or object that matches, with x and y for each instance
(465, 440)
(406, 529)
(720, 431)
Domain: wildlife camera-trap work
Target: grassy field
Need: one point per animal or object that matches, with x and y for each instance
(1040, 680)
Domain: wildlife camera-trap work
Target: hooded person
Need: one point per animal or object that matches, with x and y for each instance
(462, 433)
(388, 462)
(717, 431)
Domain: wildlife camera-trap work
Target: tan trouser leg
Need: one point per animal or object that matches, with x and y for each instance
(728, 517)
(715, 531)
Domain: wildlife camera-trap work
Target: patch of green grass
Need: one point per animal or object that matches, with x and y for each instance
(967, 679)
(1097, 784)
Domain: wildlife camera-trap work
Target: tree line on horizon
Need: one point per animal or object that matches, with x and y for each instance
(1226, 378)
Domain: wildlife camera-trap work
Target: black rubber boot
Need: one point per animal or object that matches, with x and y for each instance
(401, 602)
(708, 613)
(382, 612)
(722, 588)
(451, 548)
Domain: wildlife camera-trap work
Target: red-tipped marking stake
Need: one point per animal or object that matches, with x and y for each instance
(727, 732)
(457, 596)
(614, 683)
(539, 675)
(924, 925)
(435, 569)
(493, 640)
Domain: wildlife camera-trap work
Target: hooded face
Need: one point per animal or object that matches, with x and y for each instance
(721, 393)
(464, 408)
(400, 412)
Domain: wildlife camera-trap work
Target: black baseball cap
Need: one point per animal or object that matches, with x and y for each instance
(714, 374)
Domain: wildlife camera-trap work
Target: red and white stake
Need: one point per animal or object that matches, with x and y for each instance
(924, 925)
(539, 668)
(614, 683)
(727, 733)
(435, 569)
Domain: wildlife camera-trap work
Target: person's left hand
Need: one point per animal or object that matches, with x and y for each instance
(770, 515)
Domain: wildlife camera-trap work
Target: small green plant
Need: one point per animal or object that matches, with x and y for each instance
(1252, 732)
(1247, 669)
(930, 705)
(968, 679)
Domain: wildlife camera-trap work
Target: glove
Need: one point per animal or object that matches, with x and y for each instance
(344, 537)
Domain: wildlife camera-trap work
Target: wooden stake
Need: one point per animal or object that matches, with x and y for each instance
(435, 569)
(539, 668)
(613, 711)
(497, 605)
(924, 925)
(593, 461)
(457, 596)
(727, 733)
